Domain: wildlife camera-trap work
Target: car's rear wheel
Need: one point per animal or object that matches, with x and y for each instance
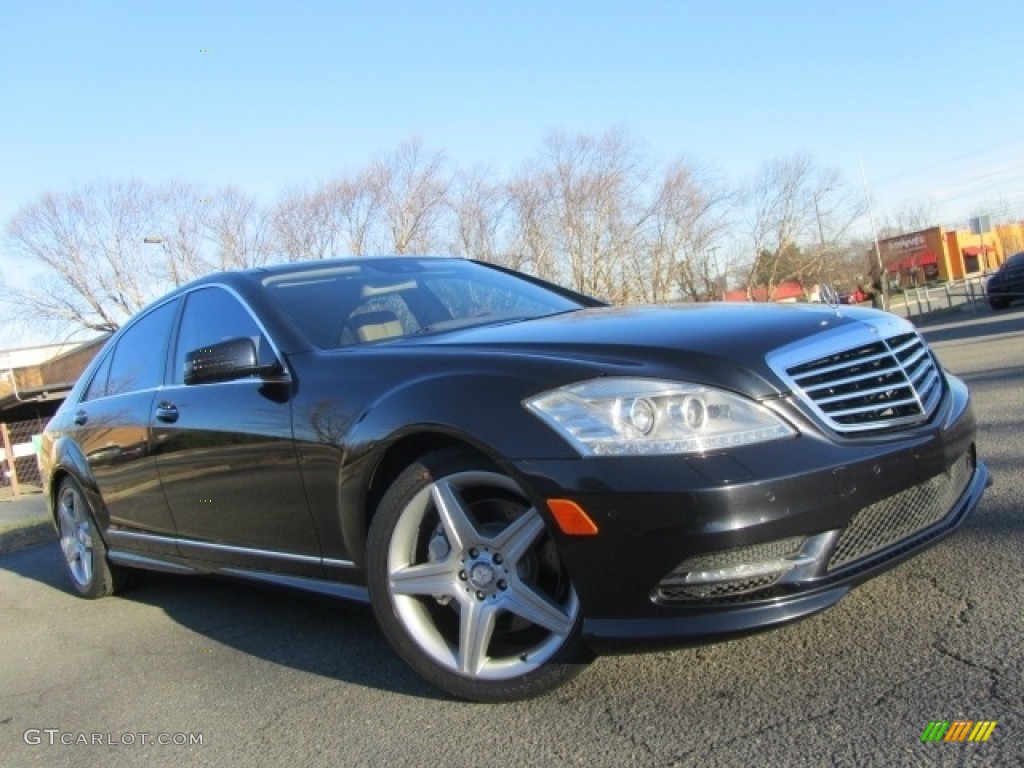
(85, 554)
(998, 303)
(467, 584)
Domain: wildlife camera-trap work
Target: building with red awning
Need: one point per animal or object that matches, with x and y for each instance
(937, 255)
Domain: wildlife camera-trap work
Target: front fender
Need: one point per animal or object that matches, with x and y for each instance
(429, 413)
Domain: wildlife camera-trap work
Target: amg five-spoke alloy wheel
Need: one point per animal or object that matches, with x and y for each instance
(467, 583)
(85, 554)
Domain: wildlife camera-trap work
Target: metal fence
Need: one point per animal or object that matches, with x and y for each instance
(914, 302)
(19, 465)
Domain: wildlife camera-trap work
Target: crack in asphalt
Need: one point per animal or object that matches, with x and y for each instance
(623, 730)
(275, 718)
(994, 675)
(880, 700)
(961, 619)
(745, 738)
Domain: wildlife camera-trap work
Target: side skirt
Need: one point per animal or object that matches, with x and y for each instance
(173, 564)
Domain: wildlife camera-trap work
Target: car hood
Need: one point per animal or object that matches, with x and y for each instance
(722, 344)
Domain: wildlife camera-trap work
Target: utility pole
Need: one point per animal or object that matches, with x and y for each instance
(821, 235)
(883, 278)
(713, 250)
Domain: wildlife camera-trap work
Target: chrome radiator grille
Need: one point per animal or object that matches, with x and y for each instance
(883, 384)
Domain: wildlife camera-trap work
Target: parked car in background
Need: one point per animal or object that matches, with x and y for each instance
(856, 296)
(514, 475)
(1007, 284)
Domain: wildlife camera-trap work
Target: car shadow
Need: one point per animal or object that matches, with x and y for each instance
(319, 635)
(968, 326)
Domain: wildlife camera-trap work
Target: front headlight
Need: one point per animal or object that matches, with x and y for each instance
(623, 416)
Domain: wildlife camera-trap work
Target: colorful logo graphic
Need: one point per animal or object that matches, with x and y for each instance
(958, 730)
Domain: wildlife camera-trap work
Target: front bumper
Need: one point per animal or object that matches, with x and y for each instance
(848, 509)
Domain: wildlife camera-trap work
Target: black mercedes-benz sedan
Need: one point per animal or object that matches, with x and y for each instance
(515, 476)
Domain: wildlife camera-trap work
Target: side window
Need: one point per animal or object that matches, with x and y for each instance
(98, 386)
(212, 315)
(141, 352)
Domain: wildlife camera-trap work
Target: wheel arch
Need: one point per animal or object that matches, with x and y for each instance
(68, 461)
(361, 499)
(429, 414)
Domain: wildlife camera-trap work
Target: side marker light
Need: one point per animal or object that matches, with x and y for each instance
(571, 518)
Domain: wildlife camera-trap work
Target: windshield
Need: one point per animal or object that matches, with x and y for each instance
(341, 304)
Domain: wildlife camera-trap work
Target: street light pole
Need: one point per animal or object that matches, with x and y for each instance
(713, 250)
(883, 278)
(821, 234)
(162, 242)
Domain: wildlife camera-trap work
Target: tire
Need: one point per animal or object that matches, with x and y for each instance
(85, 554)
(998, 304)
(467, 585)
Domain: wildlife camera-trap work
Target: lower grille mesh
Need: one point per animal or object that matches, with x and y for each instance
(891, 520)
(728, 558)
(716, 590)
(673, 588)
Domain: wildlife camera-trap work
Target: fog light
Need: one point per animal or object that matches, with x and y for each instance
(738, 571)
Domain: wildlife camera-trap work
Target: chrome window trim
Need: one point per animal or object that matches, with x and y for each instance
(121, 394)
(110, 348)
(286, 374)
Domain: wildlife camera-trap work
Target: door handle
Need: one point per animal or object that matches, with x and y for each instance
(167, 412)
(81, 417)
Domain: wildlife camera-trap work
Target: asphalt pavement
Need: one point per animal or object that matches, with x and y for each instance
(24, 521)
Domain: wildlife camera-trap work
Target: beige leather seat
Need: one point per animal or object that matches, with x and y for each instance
(374, 326)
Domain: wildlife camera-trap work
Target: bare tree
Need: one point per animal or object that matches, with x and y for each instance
(596, 213)
(595, 188)
(412, 186)
(303, 225)
(533, 243)
(184, 211)
(593, 212)
(479, 209)
(688, 216)
(96, 268)
(785, 223)
(910, 218)
(88, 244)
(578, 209)
(358, 208)
(238, 228)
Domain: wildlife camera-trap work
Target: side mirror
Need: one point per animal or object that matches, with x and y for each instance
(224, 361)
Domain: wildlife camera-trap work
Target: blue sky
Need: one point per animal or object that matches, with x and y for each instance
(927, 94)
